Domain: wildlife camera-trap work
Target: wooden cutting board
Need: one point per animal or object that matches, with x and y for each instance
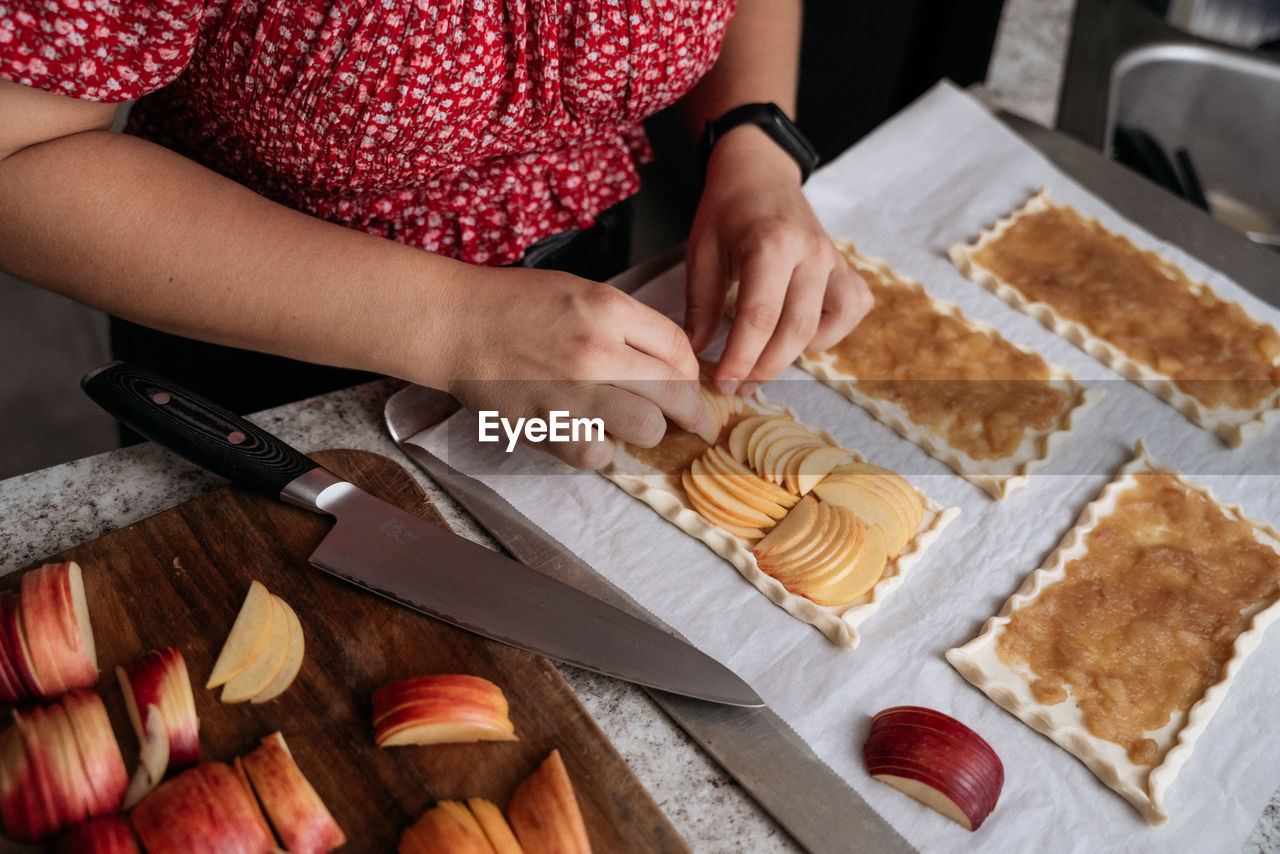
(178, 579)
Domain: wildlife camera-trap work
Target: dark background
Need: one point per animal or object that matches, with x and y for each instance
(861, 62)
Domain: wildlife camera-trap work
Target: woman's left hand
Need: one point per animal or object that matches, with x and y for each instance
(754, 227)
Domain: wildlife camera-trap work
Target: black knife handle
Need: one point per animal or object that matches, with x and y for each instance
(198, 429)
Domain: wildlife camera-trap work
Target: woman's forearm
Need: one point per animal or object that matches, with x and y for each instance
(759, 61)
(134, 229)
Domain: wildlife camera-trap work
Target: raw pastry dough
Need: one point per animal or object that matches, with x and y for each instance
(1013, 685)
(996, 473)
(662, 492)
(1233, 391)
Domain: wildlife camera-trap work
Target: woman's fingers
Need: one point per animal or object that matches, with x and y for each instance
(764, 277)
(705, 289)
(847, 300)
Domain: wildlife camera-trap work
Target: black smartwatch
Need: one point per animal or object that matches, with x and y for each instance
(770, 119)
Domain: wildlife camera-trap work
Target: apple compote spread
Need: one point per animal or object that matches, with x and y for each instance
(1211, 349)
(978, 390)
(1143, 622)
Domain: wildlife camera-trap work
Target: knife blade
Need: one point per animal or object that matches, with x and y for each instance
(408, 560)
(754, 745)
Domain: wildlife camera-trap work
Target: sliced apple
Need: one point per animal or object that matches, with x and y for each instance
(714, 514)
(793, 529)
(715, 416)
(544, 812)
(774, 453)
(812, 467)
(909, 500)
(826, 541)
(249, 636)
(767, 435)
(108, 834)
(441, 708)
(848, 582)
(160, 680)
(55, 622)
(740, 436)
(495, 826)
(262, 671)
(860, 495)
(299, 816)
(54, 771)
(447, 828)
(205, 808)
(744, 504)
(16, 675)
(719, 461)
(99, 750)
(937, 760)
(293, 661)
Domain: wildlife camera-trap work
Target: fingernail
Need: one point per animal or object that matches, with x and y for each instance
(726, 387)
(748, 389)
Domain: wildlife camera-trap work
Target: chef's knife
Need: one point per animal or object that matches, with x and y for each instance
(408, 560)
(755, 746)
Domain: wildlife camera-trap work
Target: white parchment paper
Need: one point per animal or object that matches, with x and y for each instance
(936, 174)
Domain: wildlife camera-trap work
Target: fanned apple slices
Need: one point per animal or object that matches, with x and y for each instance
(264, 651)
(830, 546)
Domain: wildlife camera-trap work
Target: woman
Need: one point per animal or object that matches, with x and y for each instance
(278, 144)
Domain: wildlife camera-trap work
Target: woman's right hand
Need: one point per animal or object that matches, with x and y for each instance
(532, 341)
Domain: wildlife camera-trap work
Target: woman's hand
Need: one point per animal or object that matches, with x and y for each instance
(754, 227)
(531, 341)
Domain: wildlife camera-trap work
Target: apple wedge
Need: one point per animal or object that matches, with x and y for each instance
(16, 676)
(162, 710)
(812, 467)
(109, 834)
(99, 750)
(794, 528)
(248, 638)
(718, 460)
(744, 504)
(740, 435)
(299, 816)
(262, 670)
(715, 514)
(861, 495)
(447, 828)
(206, 808)
(839, 530)
(55, 622)
(544, 812)
(293, 660)
(54, 771)
(495, 826)
(440, 708)
(937, 760)
(846, 582)
(892, 483)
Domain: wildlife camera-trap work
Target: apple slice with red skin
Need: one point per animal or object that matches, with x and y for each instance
(56, 625)
(447, 828)
(208, 808)
(15, 673)
(544, 812)
(99, 750)
(440, 708)
(495, 826)
(937, 760)
(299, 816)
(28, 802)
(109, 834)
(157, 694)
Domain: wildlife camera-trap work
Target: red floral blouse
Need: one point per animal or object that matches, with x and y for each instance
(472, 128)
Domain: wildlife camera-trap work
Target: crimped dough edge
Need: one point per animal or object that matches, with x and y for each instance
(1145, 787)
(1232, 426)
(999, 477)
(840, 624)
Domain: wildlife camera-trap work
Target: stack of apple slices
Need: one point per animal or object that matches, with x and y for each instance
(108, 834)
(60, 764)
(297, 813)
(264, 651)
(728, 494)
(46, 641)
(440, 709)
(722, 409)
(162, 709)
(544, 819)
(784, 451)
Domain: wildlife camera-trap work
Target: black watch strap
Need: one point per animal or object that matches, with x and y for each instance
(769, 118)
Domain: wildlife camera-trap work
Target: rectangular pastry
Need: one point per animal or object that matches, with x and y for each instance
(825, 535)
(1124, 643)
(989, 409)
(1135, 312)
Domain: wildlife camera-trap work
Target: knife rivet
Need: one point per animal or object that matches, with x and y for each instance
(160, 398)
(235, 437)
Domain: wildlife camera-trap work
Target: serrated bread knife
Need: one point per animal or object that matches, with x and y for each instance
(408, 560)
(754, 745)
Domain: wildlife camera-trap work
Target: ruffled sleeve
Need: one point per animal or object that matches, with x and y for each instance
(97, 50)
